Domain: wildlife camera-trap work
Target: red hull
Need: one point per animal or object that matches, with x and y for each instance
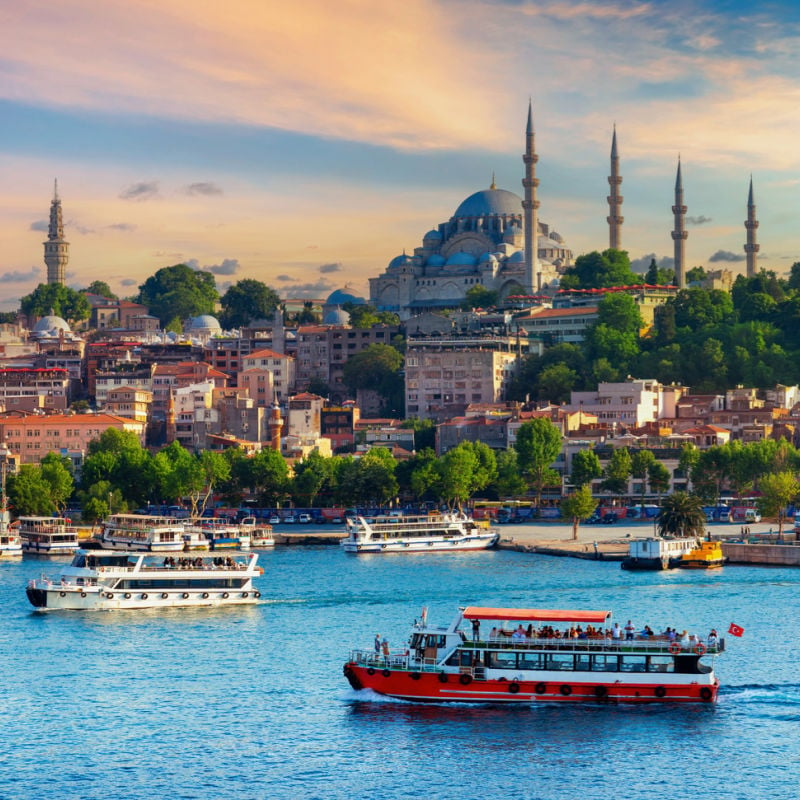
(432, 687)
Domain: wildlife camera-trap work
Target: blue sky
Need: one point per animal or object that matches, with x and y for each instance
(307, 145)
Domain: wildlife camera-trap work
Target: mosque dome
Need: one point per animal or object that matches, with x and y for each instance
(487, 258)
(432, 235)
(204, 322)
(435, 260)
(51, 323)
(461, 260)
(401, 261)
(517, 258)
(490, 202)
(341, 296)
(336, 316)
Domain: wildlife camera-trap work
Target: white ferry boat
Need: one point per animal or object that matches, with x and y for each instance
(106, 579)
(221, 534)
(654, 553)
(540, 662)
(143, 532)
(48, 536)
(10, 543)
(260, 533)
(427, 533)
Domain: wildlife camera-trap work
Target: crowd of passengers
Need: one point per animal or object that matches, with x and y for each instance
(616, 633)
(224, 562)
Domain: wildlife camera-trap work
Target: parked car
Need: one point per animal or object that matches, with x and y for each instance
(320, 520)
(274, 520)
(303, 519)
(290, 519)
(608, 519)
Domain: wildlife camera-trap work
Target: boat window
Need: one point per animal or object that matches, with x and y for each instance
(502, 660)
(660, 664)
(559, 661)
(604, 663)
(417, 640)
(531, 661)
(79, 560)
(434, 641)
(633, 664)
(583, 662)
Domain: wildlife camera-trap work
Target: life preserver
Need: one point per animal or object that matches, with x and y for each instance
(600, 692)
(164, 595)
(144, 595)
(706, 693)
(127, 595)
(540, 688)
(256, 595)
(415, 676)
(83, 594)
(442, 677)
(465, 679)
(674, 648)
(110, 595)
(225, 595)
(513, 687)
(370, 670)
(386, 673)
(205, 595)
(185, 595)
(245, 594)
(700, 649)
(63, 594)
(566, 690)
(660, 691)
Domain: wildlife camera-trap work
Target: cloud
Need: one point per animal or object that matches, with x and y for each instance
(726, 255)
(122, 226)
(326, 268)
(229, 266)
(205, 188)
(16, 276)
(129, 282)
(144, 190)
(308, 291)
(284, 278)
(642, 264)
(701, 220)
(77, 227)
(40, 225)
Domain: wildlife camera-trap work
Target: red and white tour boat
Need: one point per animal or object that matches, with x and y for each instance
(548, 656)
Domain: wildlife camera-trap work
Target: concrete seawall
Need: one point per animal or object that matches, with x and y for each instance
(779, 555)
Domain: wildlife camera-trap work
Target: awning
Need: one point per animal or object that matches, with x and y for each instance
(535, 614)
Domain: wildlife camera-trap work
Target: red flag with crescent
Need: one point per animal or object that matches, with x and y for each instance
(735, 630)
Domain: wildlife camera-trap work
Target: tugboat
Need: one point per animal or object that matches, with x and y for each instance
(656, 553)
(706, 555)
(549, 657)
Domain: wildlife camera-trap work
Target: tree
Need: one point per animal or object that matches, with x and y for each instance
(247, 300)
(586, 467)
(465, 469)
(364, 315)
(600, 270)
(641, 461)
(424, 432)
(556, 383)
(375, 480)
(53, 298)
(681, 514)
(29, 492)
(267, 475)
(777, 492)
(100, 288)
(509, 482)
(479, 297)
(178, 292)
(658, 477)
(215, 469)
(538, 445)
(578, 506)
(57, 473)
(617, 472)
(377, 368)
(312, 475)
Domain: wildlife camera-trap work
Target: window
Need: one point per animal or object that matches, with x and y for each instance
(604, 663)
(503, 661)
(559, 661)
(633, 664)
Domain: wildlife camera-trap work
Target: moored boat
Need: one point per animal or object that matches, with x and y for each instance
(112, 579)
(427, 533)
(142, 532)
(48, 536)
(655, 553)
(537, 663)
(221, 534)
(260, 533)
(705, 555)
(10, 543)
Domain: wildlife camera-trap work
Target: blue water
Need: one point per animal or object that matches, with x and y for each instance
(251, 702)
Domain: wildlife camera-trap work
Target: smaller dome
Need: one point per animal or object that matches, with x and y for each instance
(205, 322)
(336, 316)
(461, 260)
(431, 235)
(487, 258)
(51, 323)
(342, 296)
(517, 258)
(435, 260)
(401, 261)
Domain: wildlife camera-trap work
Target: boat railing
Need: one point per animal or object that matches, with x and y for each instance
(649, 645)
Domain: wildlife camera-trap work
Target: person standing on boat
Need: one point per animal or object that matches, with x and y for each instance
(630, 630)
(476, 630)
(385, 648)
(616, 632)
(377, 643)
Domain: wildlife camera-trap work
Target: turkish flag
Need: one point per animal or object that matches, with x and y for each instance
(735, 630)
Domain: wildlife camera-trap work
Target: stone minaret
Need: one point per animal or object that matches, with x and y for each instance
(171, 432)
(275, 425)
(751, 223)
(614, 218)
(680, 233)
(533, 278)
(56, 248)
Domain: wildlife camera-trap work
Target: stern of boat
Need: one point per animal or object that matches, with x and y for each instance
(36, 596)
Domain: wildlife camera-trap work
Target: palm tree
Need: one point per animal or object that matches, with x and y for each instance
(681, 515)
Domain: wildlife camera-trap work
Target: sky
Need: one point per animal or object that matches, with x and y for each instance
(307, 144)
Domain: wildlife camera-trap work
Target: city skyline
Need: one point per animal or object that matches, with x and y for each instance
(307, 149)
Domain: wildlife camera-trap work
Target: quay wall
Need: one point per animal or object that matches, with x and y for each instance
(783, 555)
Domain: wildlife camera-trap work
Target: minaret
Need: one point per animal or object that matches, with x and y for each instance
(751, 223)
(680, 233)
(171, 428)
(531, 206)
(614, 218)
(56, 248)
(275, 425)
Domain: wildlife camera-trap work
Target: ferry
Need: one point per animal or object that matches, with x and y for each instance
(10, 543)
(112, 579)
(221, 534)
(143, 532)
(48, 536)
(260, 533)
(428, 533)
(654, 553)
(538, 663)
(705, 555)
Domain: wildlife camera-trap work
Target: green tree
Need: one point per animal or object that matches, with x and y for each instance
(247, 300)
(57, 299)
(681, 514)
(509, 482)
(600, 270)
(214, 470)
(641, 461)
(375, 479)
(424, 432)
(57, 473)
(556, 383)
(658, 477)
(617, 472)
(710, 472)
(586, 467)
(178, 292)
(578, 506)
(778, 490)
(479, 297)
(377, 368)
(100, 288)
(464, 470)
(363, 315)
(312, 475)
(267, 475)
(29, 492)
(538, 445)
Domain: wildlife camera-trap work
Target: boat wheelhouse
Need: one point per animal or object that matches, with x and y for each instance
(655, 553)
(537, 663)
(143, 532)
(705, 555)
(428, 533)
(111, 579)
(48, 536)
(260, 533)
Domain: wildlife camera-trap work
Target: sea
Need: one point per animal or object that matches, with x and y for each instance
(251, 702)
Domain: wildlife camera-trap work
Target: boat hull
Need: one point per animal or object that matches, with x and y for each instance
(38, 549)
(452, 687)
(432, 545)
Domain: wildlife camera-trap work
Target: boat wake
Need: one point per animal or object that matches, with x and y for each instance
(781, 694)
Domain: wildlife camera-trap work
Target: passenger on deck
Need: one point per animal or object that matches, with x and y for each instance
(711, 639)
(476, 630)
(493, 634)
(616, 632)
(630, 630)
